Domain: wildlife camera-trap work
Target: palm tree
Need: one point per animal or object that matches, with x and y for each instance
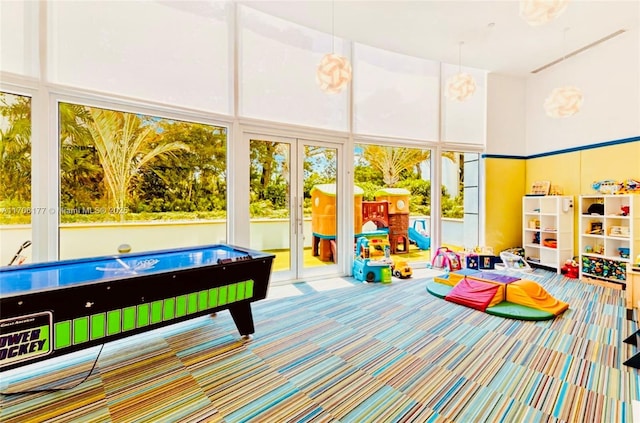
(125, 146)
(80, 170)
(391, 161)
(80, 175)
(15, 147)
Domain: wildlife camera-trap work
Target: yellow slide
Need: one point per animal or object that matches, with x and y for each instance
(531, 294)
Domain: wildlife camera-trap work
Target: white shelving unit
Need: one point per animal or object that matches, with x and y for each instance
(609, 242)
(547, 232)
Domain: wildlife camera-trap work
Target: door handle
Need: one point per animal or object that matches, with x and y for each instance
(301, 216)
(294, 212)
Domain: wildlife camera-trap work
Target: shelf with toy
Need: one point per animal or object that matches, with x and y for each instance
(547, 232)
(609, 235)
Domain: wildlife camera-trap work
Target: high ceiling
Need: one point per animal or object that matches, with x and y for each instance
(494, 36)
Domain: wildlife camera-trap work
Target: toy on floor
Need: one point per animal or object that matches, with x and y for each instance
(401, 269)
(512, 261)
(367, 269)
(447, 259)
(497, 294)
(570, 268)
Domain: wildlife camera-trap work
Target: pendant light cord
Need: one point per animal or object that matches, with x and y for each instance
(333, 26)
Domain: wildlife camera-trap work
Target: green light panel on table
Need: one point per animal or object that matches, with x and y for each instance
(80, 330)
(113, 322)
(156, 311)
(169, 311)
(100, 325)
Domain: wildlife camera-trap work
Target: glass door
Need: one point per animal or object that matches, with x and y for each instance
(460, 200)
(393, 200)
(293, 205)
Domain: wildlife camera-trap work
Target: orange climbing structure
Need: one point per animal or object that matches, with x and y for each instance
(390, 214)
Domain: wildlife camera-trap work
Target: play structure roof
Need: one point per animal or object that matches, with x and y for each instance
(392, 192)
(330, 189)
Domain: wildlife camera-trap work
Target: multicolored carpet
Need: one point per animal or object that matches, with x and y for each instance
(362, 353)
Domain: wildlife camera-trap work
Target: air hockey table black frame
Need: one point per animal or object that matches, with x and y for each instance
(43, 324)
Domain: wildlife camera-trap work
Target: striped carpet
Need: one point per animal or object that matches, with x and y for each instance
(360, 353)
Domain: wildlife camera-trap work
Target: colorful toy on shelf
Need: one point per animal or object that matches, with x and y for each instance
(604, 268)
(630, 186)
(609, 186)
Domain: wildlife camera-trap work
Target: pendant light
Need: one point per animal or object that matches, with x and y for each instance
(461, 86)
(334, 71)
(563, 101)
(540, 12)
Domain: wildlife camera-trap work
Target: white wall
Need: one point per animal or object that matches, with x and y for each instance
(609, 77)
(506, 113)
(98, 239)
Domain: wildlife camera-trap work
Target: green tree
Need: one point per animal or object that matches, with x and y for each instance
(192, 179)
(80, 171)
(125, 146)
(80, 176)
(15, 148)
(392, 161)
(269, 168)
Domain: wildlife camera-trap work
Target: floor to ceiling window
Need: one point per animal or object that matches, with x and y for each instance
(189, 98)
(460, 200)
(137, 180)
(393, 204)
(15, 179)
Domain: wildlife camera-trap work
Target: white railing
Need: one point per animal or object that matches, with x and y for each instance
(97, 239)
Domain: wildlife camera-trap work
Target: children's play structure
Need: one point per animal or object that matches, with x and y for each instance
(373, 263)
(389, 213)
(419, 235)
(497, 294)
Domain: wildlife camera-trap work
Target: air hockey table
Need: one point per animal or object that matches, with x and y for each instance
(54, 308)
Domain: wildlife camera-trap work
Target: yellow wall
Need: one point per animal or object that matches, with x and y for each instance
(562, 170)
(617, 162)
(573, 172)
(504, 182)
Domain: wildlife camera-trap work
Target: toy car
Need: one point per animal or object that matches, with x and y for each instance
(401, 269)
